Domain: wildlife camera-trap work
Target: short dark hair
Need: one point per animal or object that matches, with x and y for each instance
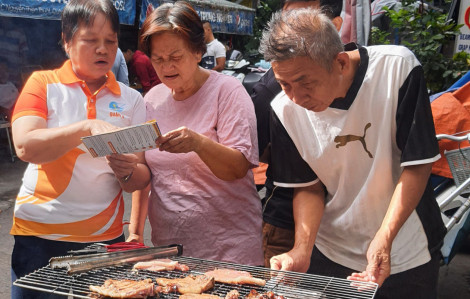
(332, 8)
(78, 12)
(179, 18)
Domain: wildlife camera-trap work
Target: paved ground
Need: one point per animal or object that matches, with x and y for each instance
(454, 279)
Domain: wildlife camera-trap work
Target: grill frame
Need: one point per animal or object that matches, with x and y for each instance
(289, 284)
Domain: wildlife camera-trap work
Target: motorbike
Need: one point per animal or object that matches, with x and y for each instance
(237, 66)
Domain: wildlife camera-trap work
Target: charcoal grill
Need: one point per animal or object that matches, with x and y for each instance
(289, 284)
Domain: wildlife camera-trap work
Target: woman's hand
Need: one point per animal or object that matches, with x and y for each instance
(181, 140)
(97, 126)
(123, 165)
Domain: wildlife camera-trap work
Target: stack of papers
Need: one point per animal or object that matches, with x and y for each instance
(126, 140)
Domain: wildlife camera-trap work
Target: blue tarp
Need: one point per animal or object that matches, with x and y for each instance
(224, 16)
(52, 9)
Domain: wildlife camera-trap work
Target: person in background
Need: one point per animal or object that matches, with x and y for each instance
(140, 67)
(278, 221)
(202, 190)
(214, 58)
(358, 157)
(68, 199)
(14, 49)
(119, 68)
(8, 91)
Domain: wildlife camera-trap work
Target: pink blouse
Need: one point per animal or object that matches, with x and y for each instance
(189, 205)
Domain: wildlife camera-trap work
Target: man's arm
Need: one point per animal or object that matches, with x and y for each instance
(123, 73)
(309, 203)
(405, 199)
(219, 64)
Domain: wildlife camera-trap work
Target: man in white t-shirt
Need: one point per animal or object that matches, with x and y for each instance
(214, 58)
(355, 139)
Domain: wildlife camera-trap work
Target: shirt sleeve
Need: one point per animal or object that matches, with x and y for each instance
(236, 125)
(219, 50)
(287, 166)
(416, 135)
(33, 98)
(141, 71)
(123, 73)
(263, 93)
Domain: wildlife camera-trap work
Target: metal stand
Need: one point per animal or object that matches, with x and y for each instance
(6, 125)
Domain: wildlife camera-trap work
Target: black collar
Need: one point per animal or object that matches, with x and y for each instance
(346, 102)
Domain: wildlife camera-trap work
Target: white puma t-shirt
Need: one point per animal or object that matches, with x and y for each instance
(357, 148)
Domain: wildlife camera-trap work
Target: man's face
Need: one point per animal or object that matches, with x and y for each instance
(306, 83)
(207, 32)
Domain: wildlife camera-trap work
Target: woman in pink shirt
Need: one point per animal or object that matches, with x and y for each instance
(202, 189)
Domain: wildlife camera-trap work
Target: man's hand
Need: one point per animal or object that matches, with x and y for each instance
(295, 260)
(378, 267)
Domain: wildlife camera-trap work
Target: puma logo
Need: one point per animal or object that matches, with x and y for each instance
(344, 139)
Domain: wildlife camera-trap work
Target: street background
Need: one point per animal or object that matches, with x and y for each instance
(454, 279)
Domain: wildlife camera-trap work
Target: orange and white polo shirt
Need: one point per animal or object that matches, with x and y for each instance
(76, 197)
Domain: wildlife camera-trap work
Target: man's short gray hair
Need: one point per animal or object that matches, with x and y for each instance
(301, 32)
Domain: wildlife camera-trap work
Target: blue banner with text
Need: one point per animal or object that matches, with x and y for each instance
(52, 9)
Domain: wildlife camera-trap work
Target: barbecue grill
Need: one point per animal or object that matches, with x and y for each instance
(288, 284)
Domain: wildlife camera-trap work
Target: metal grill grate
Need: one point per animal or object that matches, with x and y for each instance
(289, 284)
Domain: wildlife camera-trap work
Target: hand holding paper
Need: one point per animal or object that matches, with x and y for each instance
(131, 139)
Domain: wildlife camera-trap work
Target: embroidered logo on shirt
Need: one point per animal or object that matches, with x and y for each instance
(115, 110)
(342, 140)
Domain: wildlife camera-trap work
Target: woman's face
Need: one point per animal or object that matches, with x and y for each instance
(92, 50)
(173, 61)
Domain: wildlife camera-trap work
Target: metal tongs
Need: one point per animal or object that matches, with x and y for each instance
(86, 262)
(101, 247)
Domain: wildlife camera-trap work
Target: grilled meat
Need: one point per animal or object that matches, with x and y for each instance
(268, 295)
(197, 296)
(125, 288)
(160, 265)
(235, 277)
(233, 294)
(189, 285)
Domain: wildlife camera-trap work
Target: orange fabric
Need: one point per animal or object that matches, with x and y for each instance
(260, 173)
(80, 228)
(59, 172)
(33, 98)
(451, 113)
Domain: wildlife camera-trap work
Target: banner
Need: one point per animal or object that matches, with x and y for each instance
(224, 16)
(462, 41)
(52, 9)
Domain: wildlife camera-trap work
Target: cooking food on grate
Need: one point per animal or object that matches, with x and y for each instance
(125, 288)
(268, 295)
(233, 294)
(235, 277)
(160, 265)
(201, 296)
(191, 284)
